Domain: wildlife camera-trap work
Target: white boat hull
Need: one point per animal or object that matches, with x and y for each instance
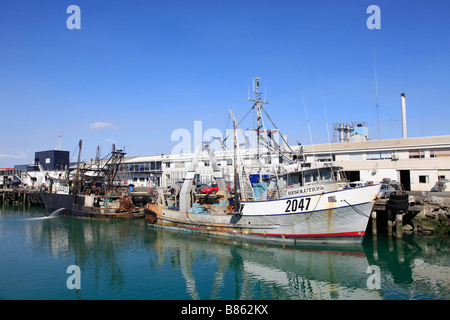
(339, 216)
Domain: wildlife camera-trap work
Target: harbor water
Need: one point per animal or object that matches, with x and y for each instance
(54, 258)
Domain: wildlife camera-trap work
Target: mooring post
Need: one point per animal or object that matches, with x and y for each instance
(389, 222)
(374, 222)
(399, 225)
(389, 228)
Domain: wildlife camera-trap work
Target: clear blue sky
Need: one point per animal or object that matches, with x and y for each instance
(146, 68)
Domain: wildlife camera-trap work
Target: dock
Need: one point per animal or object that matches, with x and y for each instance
(27, 196)
(21, 196)
(427, 212)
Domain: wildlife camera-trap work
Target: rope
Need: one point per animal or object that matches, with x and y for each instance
(314, 207)
(356, 209)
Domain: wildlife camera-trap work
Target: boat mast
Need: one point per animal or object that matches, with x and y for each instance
(235, 170)
(78, 184)
(257, 100)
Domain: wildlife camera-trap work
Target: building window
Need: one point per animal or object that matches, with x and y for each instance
(416, 154)
(180, 164)
(355, 156)
(386, 154)
(423, 179)
(373, 156)
(440, 153)
(379, 155)
(324, 158)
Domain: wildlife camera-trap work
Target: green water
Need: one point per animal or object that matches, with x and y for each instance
(129, 260)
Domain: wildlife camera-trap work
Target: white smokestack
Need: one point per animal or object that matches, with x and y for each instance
(341, 132)
(403, 115)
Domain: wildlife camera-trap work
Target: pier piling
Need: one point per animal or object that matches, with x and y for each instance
(398, 225)
(374, 222)
(21, 196)
(389, 228)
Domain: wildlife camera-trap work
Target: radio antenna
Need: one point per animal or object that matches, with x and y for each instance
(309, 127)
(326, 119)
(376, 93)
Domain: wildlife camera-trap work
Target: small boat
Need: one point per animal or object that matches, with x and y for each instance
(293, 201)
(93, 193)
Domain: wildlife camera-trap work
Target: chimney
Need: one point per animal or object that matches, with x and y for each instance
(403, 115)
(341, 130)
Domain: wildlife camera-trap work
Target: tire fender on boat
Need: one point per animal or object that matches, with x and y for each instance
(150, 216)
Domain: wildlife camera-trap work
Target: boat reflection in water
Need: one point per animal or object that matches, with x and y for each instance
(129, 260)
(260, 271)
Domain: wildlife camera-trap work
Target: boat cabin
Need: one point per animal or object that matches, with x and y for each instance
(325, 175)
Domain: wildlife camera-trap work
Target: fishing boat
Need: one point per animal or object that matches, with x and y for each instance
(93, 193)
(291, 201)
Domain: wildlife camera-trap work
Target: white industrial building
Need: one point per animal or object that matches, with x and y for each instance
(417, 163)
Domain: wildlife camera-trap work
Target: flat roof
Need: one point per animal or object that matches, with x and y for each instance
(341, 147)
(387, 144)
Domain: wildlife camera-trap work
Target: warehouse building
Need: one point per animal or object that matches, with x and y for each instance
(416, 163)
